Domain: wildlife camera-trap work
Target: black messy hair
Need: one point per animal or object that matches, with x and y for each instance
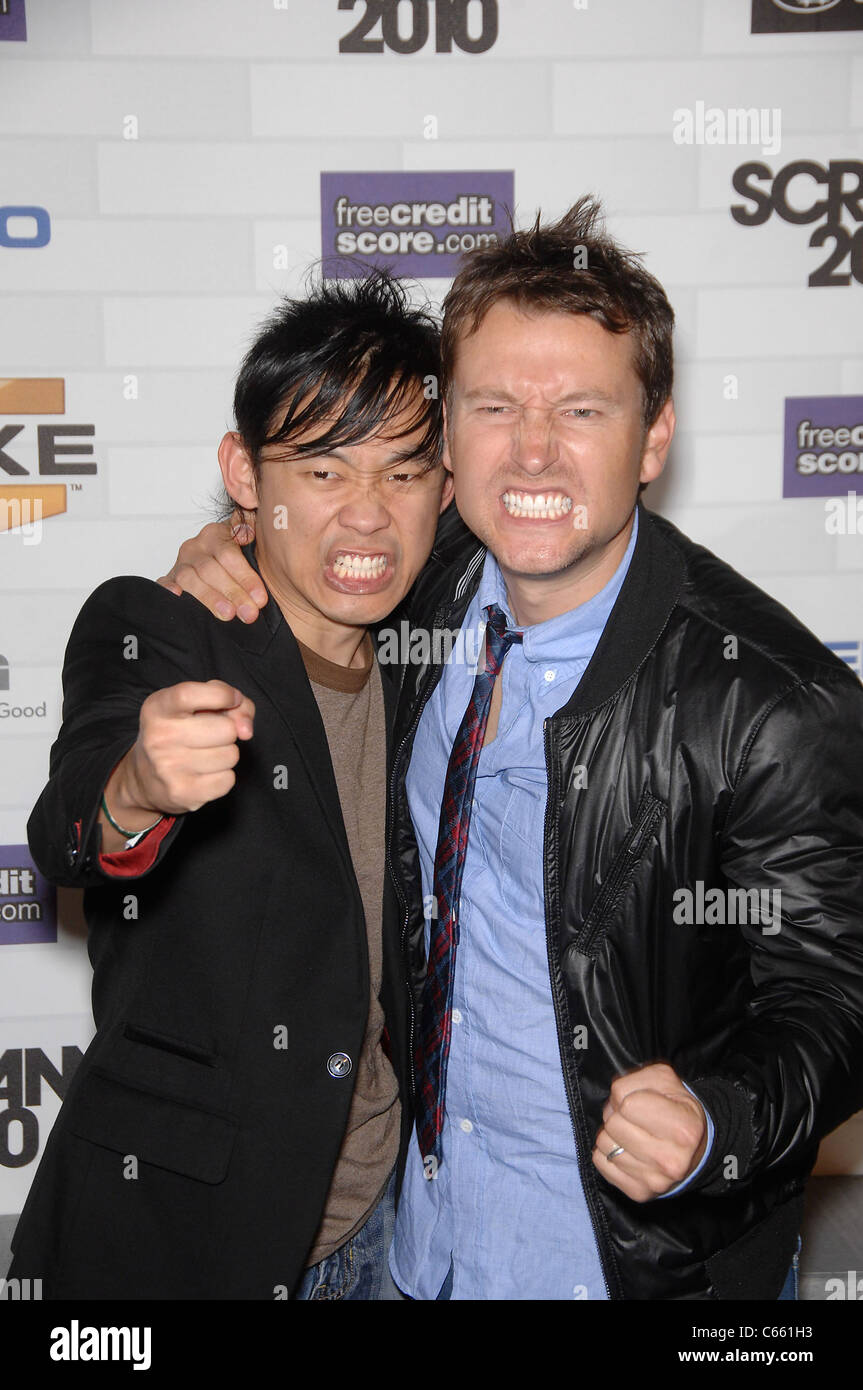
(340, 366)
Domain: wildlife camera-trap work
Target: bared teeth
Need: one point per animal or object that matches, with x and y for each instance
(359, 566)
(545, 506)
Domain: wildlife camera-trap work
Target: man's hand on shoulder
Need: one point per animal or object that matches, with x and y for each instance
(213, 569)
(660, 1127)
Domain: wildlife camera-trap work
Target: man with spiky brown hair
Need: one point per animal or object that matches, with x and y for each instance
(628, 860)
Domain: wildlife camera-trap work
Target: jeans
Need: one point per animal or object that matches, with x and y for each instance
(358, 1269)
(790, 1290)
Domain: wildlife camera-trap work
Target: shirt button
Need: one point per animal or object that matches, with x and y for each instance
(549, 676)
(339, 1064)
(465, 1125)
(456, 1015)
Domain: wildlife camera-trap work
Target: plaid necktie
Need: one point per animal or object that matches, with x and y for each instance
(432, 1048)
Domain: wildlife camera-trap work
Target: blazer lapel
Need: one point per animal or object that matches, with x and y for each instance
(271, 654)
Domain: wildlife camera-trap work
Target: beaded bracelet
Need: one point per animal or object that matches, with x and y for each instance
(127, 834)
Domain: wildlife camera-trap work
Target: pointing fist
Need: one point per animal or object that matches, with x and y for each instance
(184, 754)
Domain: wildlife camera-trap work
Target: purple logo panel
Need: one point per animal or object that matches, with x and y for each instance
(416, 224)
(823, 446)
(28, 902)
(13, 20)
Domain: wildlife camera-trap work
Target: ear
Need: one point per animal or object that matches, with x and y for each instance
(447, 457)
(657, 443)
(237, 471)
(448, 487)
(448, 482)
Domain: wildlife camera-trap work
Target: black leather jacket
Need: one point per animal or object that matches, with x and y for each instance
(712, 740)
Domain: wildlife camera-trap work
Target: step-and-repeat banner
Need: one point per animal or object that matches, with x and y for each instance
(167, 169)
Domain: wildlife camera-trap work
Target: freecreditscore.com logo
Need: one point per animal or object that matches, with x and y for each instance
(28, 902)
(409, 222)
(823, 445)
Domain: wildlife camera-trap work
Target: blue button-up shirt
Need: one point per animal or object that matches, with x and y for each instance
(507, 1206)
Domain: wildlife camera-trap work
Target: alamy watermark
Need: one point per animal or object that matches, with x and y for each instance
(20, 1290)
(713, 907)
(419, 646)
(24, 515)
(734, 125)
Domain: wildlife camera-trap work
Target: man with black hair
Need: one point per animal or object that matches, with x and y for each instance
(235, 1126)
(629, 855)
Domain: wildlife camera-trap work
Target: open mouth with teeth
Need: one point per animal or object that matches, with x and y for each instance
(359, 566)
(355, 571)
(537, 506)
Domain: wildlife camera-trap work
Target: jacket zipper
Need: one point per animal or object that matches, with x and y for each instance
(427, 694)
(597, 1216)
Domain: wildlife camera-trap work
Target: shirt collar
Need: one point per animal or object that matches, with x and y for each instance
(554, 638)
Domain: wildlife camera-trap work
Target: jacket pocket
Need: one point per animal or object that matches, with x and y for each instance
(648, 814)
(164, 1043)
(154, 1128)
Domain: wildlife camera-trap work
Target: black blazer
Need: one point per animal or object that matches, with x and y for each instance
(192, 1155)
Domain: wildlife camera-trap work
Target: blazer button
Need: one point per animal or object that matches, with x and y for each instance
(339, 1064)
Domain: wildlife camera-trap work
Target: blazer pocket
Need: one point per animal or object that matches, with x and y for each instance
(175, 1046)
(155, 1128)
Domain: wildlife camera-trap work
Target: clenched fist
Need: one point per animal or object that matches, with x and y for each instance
(661, 1128)
(183, 757)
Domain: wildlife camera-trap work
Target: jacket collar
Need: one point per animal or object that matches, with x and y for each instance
(653, 585)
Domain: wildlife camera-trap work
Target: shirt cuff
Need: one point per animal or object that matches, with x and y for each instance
(672, 1192)
(139, 855)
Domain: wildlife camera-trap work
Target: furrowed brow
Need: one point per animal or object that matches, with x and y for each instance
(489, 393)
(579, 397)
(495, 393)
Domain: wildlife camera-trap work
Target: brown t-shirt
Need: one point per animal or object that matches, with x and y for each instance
(352, 709)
